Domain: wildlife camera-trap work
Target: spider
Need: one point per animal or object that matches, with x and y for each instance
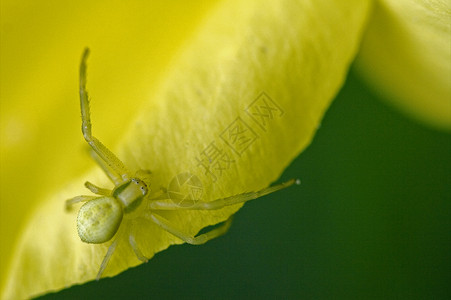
(110, 213)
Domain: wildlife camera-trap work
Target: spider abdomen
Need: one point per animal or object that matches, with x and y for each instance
(99, 219)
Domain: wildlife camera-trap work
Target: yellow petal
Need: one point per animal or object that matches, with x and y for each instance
(41, 149)
(246, 96)
(406, 53)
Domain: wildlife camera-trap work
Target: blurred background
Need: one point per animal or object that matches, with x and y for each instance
(371, 220)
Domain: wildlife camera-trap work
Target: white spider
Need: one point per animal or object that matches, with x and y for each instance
(102, 216)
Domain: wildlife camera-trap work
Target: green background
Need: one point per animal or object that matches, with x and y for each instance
(372, 219)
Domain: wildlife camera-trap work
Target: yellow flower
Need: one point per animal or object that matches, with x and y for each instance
(169, 83)
(406, 54)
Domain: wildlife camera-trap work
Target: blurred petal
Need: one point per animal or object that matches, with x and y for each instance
(406, 53)
(251, 88)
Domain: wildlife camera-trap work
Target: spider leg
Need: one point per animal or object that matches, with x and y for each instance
(112, 175)
(109, 253)
(72, 201)
(193, 240)
(107, 258)
(104, 153)
(162, 194)
(220, 203)
(138, 253)
(97, 190)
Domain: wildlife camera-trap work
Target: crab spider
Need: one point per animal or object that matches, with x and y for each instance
(112, 213)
